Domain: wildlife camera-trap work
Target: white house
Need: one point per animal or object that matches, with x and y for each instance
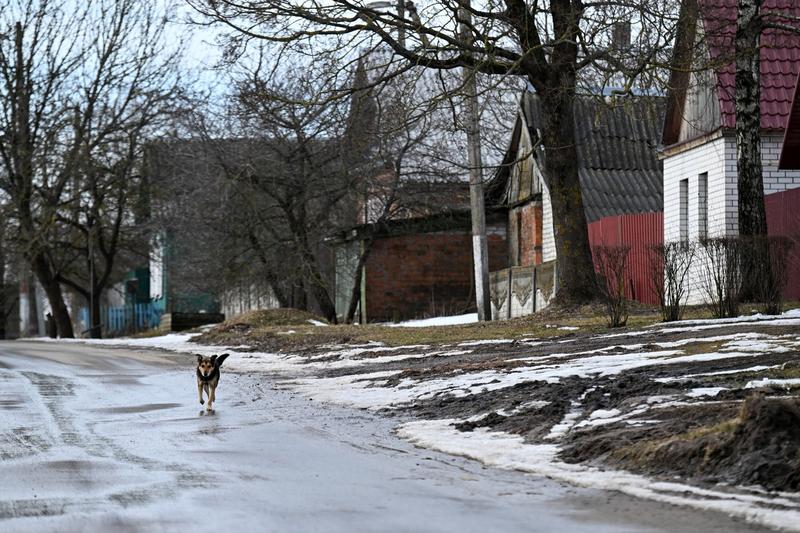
(699, 146)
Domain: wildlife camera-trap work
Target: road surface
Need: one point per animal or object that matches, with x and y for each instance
(100, 439)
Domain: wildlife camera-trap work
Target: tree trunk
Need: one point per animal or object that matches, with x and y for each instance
(752, 215)
(355, 293)
(555, 83)
(96, 325)
(575, 280)
(272, 280)
(54, 295)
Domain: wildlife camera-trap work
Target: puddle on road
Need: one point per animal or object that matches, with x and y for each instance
(144, 408)
(115, 379)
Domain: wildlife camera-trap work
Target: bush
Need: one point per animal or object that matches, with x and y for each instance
(722, 281)
(611, 264)
(669, 269)
(766, 270)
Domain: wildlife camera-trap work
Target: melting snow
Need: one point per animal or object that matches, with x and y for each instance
(768, 382)
(510, 452)
(438, 321)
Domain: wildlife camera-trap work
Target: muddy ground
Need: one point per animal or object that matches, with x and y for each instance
(701, 411)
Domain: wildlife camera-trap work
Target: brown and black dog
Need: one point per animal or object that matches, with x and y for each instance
(208, 377)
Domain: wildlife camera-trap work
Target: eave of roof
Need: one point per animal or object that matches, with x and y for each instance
(790, 153)
(779, 56)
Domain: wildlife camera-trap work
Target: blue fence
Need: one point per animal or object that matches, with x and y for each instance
(130, 318)
(126, 319)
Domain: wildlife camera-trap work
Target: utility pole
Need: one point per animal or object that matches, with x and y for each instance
(480, 255)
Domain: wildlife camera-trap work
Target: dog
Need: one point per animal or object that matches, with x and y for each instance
(208, 377)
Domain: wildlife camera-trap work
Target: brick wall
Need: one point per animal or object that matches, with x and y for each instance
(525, 234)
(426, 274)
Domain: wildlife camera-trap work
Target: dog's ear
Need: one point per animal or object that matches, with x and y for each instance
(213, 359)
(221, 358)
(199, 359)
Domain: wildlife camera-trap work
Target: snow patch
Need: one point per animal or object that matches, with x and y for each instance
(510, 452)
(438, 321)
(768, 382)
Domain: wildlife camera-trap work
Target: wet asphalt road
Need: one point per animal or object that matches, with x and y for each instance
(99, 439)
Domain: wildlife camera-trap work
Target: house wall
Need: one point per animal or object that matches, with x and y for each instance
(426, 274)
(717, 158)
(548, 236)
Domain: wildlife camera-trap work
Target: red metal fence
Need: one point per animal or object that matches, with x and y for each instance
(639, 232)
(783, 218)
(644, 230)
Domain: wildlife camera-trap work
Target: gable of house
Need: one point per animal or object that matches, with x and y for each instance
(617, 164)
(702, 94)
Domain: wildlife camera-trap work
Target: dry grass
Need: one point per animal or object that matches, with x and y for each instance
(269, 329)
(275, 334)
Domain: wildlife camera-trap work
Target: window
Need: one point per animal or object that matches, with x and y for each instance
(702, 205)
(684, 210)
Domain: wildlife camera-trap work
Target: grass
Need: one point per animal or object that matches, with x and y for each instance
(658, 450)
(274, 335)
(268, 328)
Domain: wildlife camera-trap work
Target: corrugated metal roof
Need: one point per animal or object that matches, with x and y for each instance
(780, 58)
(619, 170)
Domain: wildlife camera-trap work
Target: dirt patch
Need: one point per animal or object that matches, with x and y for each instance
(760, 445)
(601, 445)
(455, 367)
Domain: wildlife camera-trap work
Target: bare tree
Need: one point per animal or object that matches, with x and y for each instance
(669, 265)
(550, 43)
(611, 264)
(80, 86)
(751, 22)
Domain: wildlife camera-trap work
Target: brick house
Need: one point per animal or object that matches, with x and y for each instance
(420, 261)
(619, 175)
(699, 144)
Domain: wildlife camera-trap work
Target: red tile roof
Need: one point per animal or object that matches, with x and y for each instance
(780, 58)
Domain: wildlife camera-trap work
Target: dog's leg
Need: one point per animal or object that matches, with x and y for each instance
(210, 396)
(213, 397)
(200, 391)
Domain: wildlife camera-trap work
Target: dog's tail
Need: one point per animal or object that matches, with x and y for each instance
(221, 358)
